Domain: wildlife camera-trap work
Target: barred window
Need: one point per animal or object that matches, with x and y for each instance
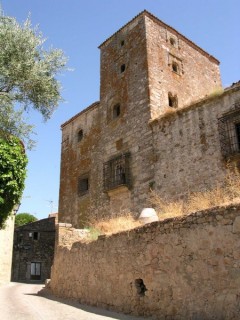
(116, 172)
(229, 132)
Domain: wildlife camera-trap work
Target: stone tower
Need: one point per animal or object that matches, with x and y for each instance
(108, 158)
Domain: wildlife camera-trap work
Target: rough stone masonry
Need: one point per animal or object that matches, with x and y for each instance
(119, 148)
(181, 268)
(163, 122)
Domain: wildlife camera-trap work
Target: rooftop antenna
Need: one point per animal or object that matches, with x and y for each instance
(50, 204)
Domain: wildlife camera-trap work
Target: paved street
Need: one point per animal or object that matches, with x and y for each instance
(20, 301)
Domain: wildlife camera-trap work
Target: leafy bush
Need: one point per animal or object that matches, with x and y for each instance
(13, 162)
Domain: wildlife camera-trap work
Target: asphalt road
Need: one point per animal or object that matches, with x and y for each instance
(20, 301)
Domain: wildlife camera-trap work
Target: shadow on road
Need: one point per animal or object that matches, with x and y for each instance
(45, 293)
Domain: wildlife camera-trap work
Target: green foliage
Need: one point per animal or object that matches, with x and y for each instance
(24, 218)
(27, 76)
(13, 163)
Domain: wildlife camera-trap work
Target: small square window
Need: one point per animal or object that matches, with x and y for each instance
(176, 64)
(36, 235)
(83, 185)
(122, 43)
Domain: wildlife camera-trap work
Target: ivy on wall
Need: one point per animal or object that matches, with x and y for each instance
(13, 162)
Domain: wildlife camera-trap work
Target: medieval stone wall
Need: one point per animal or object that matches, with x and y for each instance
(187, 147)
(136, 77)
(182, 268)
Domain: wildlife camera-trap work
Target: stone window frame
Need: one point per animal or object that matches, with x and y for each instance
(114, 111)
(83, 185)
(116, 172)
(172, 100)
(173, 40)
(229, 132)
(175, 62)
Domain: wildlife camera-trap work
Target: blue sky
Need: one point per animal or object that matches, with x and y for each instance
(78, 27)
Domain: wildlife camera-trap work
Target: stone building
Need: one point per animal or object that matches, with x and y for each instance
(6, 245)
(156, 125)
(33, 250)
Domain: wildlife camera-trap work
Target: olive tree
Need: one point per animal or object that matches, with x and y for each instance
(28, 76)
(28, 79)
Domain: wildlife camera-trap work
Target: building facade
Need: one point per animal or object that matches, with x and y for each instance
(156, 125)
(33, 251)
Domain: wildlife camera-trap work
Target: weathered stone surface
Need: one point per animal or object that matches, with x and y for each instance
(236, 225)
(34, 243)
(189, 273)
(171, 155)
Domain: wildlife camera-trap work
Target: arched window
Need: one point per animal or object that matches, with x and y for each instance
(79, 135)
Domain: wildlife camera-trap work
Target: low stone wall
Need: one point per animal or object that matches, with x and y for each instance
(182, 268)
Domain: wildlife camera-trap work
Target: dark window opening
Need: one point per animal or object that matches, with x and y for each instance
(122, 43)
(229, 132)
(83, 185)
(172, 100)
(141, 288)
(36, 235)
(80, 135)
(116, 172)
(175, 67)
(116, 111)
(173, 41)
(123, 67)
(35, 271)
(237, 128)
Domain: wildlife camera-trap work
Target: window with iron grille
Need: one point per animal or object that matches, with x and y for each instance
(116, 172)
(229, 132)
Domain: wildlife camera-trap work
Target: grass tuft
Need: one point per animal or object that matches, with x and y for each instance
(228, 192)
